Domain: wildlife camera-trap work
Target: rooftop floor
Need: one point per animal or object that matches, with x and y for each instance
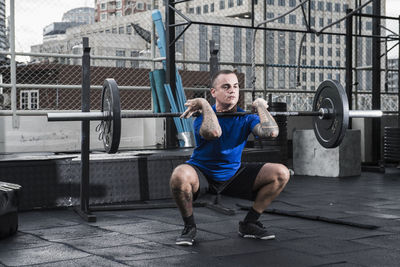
(147, 237)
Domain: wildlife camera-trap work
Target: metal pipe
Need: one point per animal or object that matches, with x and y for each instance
(13, 68)
(365, 113)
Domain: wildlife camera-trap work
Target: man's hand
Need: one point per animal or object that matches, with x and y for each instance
(193, 105)
(259, 102)
(267, 126)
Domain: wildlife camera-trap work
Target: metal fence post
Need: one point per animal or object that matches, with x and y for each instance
(13, 68)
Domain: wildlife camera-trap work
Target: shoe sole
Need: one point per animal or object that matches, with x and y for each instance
(184, 243)
(268, 237)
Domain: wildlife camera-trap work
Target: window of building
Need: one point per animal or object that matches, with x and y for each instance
(368, 25)
(239, 2)
(312, 38)
(337, 39)
(321, 77)
(312, 5)
(337, 77)
(237, 46)
(103, 16)
(114, 30)
(281, 2)
(281, 20)
(312, 50)
(321, 62)
(321, 39)
(321, 51)
(292, 3)
(329, 39)
(312, 76)
(205, 9)
(329, 6)
(222, 4)
(139, 6)
(230, 3)
(338, 52)
(103, 6)
(321, 22)
(337, 7)
(118, 4)
(129, 29)
(135, 63)
(120, 63)
(108, 31)
(118, 14)
(368, 10)
(282, 48)
(212, 7)
(312, 22)
(304, 50)
(329, 62)
(198, 10)
(270, 2)
(330, 76)
(281, 78)
(320, 6)
(191, 10)
(337, 63)
(345, 7)
(292, 19)
(203, 42)
(329, 51)
(121, 30)
(304, 76)
(304, 62)
(312, 62)
(29, 99)
(292, 79)
(270, 15)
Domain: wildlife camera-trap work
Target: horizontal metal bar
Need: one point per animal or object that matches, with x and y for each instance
(81, 116)
(76, 116)
(365, 113)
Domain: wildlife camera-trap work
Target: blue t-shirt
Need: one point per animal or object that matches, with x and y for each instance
(219, 159)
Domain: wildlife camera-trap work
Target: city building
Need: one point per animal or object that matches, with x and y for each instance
(108, 9)
(4, 44)
(393, 75)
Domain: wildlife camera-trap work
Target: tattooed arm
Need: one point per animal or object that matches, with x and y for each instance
(210, 128)
(267, 126)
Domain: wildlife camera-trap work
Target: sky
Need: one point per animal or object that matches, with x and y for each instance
(33, 15)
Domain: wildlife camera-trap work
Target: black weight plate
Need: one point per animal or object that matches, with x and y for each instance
(111, 106)
(331, 131)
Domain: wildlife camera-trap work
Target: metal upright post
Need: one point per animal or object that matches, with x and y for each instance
(398, 80)
(349, 59)
(83, 210)
(171, 139)
(13, 68)
(376, 81)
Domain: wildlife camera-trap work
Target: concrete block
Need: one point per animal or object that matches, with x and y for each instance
(310, 158)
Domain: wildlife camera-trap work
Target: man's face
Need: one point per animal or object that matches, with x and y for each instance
(226, 90)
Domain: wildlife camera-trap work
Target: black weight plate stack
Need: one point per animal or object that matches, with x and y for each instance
(111, 106)
(9, 199)
(281, 141)
(391, 148)
(331, 96)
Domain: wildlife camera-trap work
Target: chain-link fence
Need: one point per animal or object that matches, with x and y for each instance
(48, 70)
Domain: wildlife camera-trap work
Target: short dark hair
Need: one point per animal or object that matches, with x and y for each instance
(220, 72)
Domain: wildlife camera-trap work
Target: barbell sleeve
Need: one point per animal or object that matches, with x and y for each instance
(365, 113)
(76, 116)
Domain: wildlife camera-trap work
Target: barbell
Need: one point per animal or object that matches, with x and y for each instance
(330, 114)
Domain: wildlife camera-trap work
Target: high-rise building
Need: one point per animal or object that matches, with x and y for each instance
(106, 9)
(4, 44)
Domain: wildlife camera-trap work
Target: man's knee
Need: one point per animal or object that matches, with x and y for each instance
(277, 173)
(182, 176)
(282, 174)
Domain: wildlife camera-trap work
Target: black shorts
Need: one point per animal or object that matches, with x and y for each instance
(239, 185)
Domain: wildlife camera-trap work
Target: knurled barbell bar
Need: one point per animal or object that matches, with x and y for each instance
(330, 114)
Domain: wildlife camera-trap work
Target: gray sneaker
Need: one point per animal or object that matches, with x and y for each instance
(187, 236)
(254, 230)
